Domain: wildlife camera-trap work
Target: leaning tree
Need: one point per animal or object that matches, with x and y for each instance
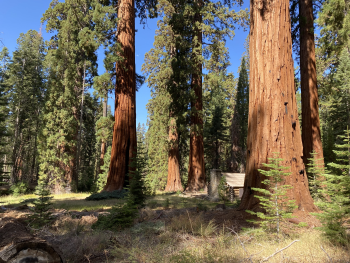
(273, 124)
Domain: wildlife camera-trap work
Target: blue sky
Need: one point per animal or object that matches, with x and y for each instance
(22, 15)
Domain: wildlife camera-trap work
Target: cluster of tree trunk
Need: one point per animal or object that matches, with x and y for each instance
(273, 124)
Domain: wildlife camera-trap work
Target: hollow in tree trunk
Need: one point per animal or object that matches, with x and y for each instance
(174, 179)
(196, 171)
(124, 132)
(311, 133)
(273, 124)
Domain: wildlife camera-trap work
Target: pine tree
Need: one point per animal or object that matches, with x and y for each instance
(274, 199)
(163, 132)
(239, 129)
(71, 61)
(336, 208)
(4, 60)
(42, 215)
(26, 90)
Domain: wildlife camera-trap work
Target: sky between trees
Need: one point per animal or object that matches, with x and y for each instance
(23, 15)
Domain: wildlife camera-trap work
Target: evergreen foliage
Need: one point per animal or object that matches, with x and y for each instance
(4, 60)
(102, 177)
(239, 129)
(314, 173)
(117, 194)
(42, 215)
(122, 216)
(26, 89)
(273, 199)
(336, 208)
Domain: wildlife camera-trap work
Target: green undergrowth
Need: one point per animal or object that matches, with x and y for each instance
(117, 194)
(78, 202)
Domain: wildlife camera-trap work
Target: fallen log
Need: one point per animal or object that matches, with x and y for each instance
(17, 245)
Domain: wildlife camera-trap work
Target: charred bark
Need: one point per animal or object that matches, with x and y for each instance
(311, 133)
(196, 170)
(124, 132)
(273, 124)
(174, 178)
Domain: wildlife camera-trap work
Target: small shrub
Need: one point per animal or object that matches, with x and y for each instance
(202, 207)
(42, 204)
(336, 208)
(223, 189)
(153, 204)
(166, 203)
(119, 218)
(19, 188)
(273, 199)
(117, 194)
(302, 224)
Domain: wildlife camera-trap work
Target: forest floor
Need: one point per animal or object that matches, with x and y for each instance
(174, 228)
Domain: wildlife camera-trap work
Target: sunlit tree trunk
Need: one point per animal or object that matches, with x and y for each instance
(196, 171)
(311, 133)
(273, 124)
(124, 132)
(174, 178)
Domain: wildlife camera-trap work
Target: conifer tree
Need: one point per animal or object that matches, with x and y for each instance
(71, 61)
(26, 90)
(4, 61)
(239, 130)
(163, 140)
(198, 26)
(336, 208)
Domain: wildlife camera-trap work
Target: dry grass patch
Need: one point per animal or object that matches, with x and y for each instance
(183, 240)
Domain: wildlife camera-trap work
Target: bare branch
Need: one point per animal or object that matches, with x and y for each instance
(329, 258)
(250, 257)
(266, 259)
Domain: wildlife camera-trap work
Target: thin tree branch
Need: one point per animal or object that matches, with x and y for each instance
(329, 258)
(266, 259)
(250, 257)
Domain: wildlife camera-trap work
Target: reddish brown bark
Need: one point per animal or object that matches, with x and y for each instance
(311, 133)
(124, 132)
(174, 178)
(196, 171)
(273, 124)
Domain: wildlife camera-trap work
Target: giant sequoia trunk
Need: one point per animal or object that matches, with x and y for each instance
(124, 132)
(311, 134)
(273, 124)
(196, 172)
(174, 178)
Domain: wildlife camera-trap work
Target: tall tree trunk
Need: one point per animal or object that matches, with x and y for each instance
(311, 133)
(124, 132)
(103, 144)
(273, 124)
(174, 178)
(196, 170)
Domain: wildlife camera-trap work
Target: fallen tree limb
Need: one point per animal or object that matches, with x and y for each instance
(266, 259)
(329, 258)
(242, 244)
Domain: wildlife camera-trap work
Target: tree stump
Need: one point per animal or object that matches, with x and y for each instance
(213, 190)
(17, 245)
